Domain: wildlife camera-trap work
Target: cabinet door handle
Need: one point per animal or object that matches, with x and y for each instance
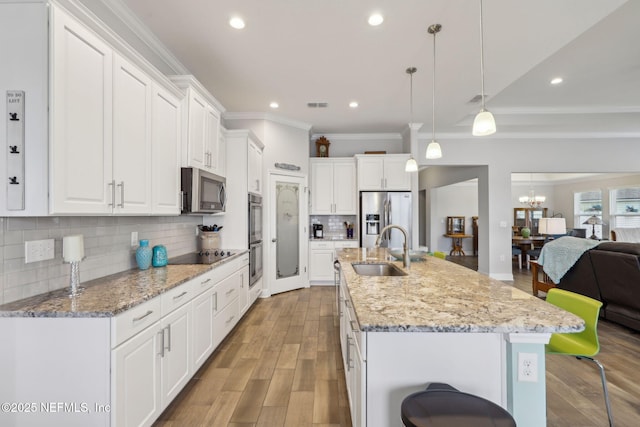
(121, 185)
(161, 333)
(112, 184)
(230, 319)
(348, 352)
(137, 319)
(215, 301)
(258, 184)
(180, 296)
(385, 183)
(354, 326)
(229, 292)
(168, 328)
(204, 282)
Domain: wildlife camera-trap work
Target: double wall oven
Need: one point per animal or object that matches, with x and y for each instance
(255, 238)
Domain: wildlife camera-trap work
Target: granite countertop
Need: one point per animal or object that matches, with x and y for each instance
(109, 295)
(440, 296)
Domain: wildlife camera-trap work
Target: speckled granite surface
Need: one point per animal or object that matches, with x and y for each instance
(440, 296)
(109, 295)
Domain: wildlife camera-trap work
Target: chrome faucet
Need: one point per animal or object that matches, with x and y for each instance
(406, 260)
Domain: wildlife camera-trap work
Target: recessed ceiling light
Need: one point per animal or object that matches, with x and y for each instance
(237, 22)
(274, 105)
(353, 104)
(556, 80)
(375, 19)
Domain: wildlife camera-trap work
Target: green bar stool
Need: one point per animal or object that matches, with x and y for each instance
(438, 254)
(582, 345)
(441, 405)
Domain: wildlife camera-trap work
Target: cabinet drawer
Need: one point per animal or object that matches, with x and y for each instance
(177, 296)
(225, 320)
(129, 323)
(345, 244)
(320, 245)
(226, 291)
(204, 282)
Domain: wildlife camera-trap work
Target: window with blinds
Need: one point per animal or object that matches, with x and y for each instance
(587, 204)
(625, 207)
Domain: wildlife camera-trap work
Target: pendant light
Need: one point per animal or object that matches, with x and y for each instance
(411, 165)
(433, 149)
(484, 124)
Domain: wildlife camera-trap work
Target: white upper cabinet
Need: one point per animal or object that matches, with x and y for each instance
(255, 168)
(166, 138)
(132, 96)
(201, 137)
(333, 187)
(81, 119)
(383, 172)
(113, 121)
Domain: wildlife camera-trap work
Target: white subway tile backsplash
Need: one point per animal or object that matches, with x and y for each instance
(107, 248)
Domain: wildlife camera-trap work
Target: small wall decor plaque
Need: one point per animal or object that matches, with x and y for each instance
(15, 150)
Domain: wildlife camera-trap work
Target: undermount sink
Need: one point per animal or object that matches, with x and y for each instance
(377, 269)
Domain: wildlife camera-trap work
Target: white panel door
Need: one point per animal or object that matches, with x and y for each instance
(165, 152)
(135, 393)
(395, 177)
(131, 138)
(371, 173)
(81, 118)
(202, 328)
(344, 188)
(322, 188)
(212, 156)
(176, 361)
(197, 130)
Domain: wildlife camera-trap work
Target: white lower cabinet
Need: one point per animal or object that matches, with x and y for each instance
(352, 341)
(321, 257)
(202, 328)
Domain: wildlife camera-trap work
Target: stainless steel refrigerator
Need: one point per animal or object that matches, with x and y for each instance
(379, 209)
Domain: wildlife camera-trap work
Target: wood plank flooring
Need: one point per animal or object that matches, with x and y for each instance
(281, 366)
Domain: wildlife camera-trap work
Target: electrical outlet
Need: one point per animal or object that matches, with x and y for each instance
(528, 367)
(38, 250)
(134, 239)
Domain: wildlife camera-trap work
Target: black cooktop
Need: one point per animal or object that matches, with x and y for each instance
(208, 257)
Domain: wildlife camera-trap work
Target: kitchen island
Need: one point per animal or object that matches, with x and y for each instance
(441, 323)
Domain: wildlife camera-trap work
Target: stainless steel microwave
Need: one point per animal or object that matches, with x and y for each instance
(202, 192)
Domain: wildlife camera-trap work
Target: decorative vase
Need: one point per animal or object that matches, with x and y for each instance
(525, 232)
(159, 258)
(143, 255)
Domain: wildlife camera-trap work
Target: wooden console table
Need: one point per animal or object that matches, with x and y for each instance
(456, 243)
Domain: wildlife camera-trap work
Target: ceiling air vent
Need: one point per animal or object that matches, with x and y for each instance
(317, 104)
(476, 99)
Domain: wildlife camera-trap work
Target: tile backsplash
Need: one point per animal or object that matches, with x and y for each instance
(107, 242)
(333, 225)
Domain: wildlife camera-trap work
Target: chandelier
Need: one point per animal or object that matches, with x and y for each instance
(532, 200)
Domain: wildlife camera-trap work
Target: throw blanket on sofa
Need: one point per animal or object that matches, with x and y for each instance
(558, 256)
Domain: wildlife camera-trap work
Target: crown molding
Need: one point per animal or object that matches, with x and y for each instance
(360, 136)
(269, 117)
(145, 35)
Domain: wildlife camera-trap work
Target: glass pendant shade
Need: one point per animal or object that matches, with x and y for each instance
(484, 124)
(411, 165)
(433, 150)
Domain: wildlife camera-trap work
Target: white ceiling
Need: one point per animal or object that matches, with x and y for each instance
(295, 52)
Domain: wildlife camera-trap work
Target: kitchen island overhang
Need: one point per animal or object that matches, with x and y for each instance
(446, 323)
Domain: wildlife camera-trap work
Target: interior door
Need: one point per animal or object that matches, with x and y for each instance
(288, 235)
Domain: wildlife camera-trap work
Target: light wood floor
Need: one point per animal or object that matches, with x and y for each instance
(281, 367)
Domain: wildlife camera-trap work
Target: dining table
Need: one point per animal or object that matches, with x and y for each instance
(527, 243)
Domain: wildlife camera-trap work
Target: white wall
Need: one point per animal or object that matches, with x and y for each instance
(347, 145)
(454, 200)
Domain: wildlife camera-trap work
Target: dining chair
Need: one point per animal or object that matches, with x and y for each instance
(516, 251)
(582, 345)
(534, 253)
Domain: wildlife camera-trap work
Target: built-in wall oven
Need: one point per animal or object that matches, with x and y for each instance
(255, 238)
